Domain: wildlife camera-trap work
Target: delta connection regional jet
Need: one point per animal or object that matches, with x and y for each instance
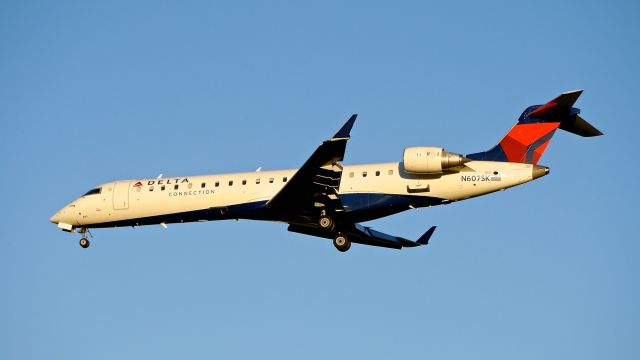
(327, 199)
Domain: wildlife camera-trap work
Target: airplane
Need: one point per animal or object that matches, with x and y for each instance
(327, 199)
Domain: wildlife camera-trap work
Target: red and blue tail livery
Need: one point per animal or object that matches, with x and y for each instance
(528, 139)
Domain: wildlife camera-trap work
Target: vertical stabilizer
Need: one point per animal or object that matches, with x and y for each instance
(529, 137)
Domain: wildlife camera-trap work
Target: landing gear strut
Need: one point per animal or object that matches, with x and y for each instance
(84, 242)
(342, 243)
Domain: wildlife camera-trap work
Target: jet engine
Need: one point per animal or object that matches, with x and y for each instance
(430, 160)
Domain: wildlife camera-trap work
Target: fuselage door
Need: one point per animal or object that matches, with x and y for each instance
(121, 195)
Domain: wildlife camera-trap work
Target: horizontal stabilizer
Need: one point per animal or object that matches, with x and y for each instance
(564, 102)
(579, 126)
(561, 110)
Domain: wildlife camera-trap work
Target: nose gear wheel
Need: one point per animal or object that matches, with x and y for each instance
(84, 242)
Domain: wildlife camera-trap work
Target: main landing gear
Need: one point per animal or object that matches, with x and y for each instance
(84, 242)
(342, 243)
(326, 222)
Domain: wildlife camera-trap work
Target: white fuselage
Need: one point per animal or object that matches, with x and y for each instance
(367, 191)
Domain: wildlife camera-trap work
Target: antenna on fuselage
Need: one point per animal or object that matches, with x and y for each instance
(159, 176)
(259, 168)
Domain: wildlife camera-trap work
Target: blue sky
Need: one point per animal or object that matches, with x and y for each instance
(98, 91)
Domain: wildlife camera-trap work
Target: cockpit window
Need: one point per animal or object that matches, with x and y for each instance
(93, 191)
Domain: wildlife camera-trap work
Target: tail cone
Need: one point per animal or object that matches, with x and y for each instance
(539, 171)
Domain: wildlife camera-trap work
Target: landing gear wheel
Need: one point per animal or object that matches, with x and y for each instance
(342, 243)
(325, 222)
(84, 242)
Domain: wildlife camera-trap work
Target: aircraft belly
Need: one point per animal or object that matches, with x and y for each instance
(369, 206)
(253, 210)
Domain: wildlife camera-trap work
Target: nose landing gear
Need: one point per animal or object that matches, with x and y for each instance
(84, 242)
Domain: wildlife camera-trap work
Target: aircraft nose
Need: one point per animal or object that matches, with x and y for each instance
(55, 218)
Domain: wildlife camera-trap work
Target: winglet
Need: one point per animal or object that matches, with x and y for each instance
(345, 130)
(424, 239)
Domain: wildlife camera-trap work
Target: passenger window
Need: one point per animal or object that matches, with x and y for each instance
(257, 181)
(138, 188)
(364, 174)
(151, 188)
(203, 185)
(284, 179)
(190, 185)
(270, 180)
(390, 172)
(244, 182)
(351, 174)
(378, 173)
(230, 182)
(175, 187)
(162, 188)
(217, 184)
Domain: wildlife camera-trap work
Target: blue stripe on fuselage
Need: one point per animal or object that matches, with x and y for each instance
(358, 207)
(370, 206)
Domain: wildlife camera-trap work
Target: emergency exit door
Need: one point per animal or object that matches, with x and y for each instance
(121, 195)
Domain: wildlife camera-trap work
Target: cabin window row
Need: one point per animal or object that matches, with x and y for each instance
(217, 184)
(365, 173)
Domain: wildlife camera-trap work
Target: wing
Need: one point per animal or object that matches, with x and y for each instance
(365, 235)
(317, 181)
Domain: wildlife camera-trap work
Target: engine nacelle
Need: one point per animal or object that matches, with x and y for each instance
(430, 160)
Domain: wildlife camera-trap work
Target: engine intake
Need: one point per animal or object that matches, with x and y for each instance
(430, 160)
